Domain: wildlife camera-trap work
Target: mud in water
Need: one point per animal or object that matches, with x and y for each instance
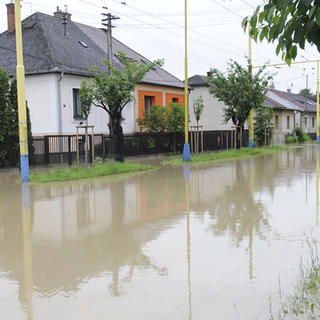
(206, 242)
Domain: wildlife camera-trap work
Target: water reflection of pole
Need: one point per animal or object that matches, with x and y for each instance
(251, 191)
(27, 249)
(186, 171)
(317, 195)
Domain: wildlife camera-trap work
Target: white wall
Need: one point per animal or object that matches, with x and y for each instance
(42, 96)
(98, 117)
(212, 115)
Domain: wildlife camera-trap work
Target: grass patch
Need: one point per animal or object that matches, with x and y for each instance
(75, 173)
(304, 302)
(227, 155)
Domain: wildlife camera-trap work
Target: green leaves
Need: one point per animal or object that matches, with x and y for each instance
(198, 107)
(240, 90)
(290, 22)
(163, 119)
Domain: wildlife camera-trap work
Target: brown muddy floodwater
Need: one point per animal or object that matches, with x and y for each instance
(155, 246)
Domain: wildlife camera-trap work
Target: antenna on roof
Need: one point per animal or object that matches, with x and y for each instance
(108, 19)
(64, 22)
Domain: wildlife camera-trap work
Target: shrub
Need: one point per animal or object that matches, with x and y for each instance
(9, 124)
(292, 139)
(300, 134)
(155, 120)
(262, 125)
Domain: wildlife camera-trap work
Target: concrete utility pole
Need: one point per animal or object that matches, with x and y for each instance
(108, 19)
(22, 110)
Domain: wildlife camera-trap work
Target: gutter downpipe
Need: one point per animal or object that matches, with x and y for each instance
(60, 116)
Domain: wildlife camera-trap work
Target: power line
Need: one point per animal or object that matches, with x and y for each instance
(176, 24)
(248, 4)
(226, 8)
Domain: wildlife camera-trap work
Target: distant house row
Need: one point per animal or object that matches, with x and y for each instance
(57, 61)
(290, 110)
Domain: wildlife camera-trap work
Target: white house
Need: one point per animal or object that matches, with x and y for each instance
(57, 57)
(289, 112)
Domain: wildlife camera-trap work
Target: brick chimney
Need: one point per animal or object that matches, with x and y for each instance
(10, 17)
(62, 14)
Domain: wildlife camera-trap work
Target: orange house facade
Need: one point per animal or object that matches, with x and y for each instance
(147, 94)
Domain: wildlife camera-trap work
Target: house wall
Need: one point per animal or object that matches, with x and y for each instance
(162, 96)
(42, 97)
(98, 117)
(280, 131)
(212, 115)
(311, 126)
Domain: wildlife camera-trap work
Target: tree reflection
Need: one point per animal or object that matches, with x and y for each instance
(237, 212)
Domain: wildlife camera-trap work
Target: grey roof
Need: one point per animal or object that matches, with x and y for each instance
(199, 81)
(277, 101)
(46, 49)
(309, 105)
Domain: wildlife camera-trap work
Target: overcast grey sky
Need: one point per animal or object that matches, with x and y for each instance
(156, 30)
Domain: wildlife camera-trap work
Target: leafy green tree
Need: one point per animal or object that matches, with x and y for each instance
(198, 107)
(240, 90)
(308, 94)
(4, 106)
(86, 98)
(291, 23)
(9, 124)
(262, 124)
(175, 118)
(112, 93)
(155, 120)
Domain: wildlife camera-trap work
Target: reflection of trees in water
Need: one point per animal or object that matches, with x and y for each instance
(238, 212)
(64, 266)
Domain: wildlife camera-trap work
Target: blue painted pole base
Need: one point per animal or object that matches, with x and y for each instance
(186, 152)
(24, 165)
(318, 139)
(251, 144)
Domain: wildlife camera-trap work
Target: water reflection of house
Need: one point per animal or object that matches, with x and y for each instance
(81, 230)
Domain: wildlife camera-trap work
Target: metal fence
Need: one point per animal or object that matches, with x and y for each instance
(56, 149)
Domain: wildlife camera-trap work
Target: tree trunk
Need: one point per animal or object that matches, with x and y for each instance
(116, 133)
(86, 144)
(240, 133)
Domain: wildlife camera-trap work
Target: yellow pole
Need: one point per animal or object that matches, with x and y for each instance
(27, 249)
(186, 149)
(22, 114)
(317, 187)
(250, 70)
(318, 119)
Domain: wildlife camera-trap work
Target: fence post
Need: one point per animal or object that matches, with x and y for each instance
(46, 150)
(69, 151)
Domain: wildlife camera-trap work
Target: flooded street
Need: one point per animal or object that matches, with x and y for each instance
(207, 242)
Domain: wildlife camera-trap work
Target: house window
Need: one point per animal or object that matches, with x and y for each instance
(288, 122)
(148, 102)
(312, 122)
(305, 122)
(76, 104)
(175, 100)
(277, 122)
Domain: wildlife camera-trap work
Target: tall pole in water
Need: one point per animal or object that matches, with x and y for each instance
(22, 113)
(250, 71)
(186, 149)
(318, 119)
